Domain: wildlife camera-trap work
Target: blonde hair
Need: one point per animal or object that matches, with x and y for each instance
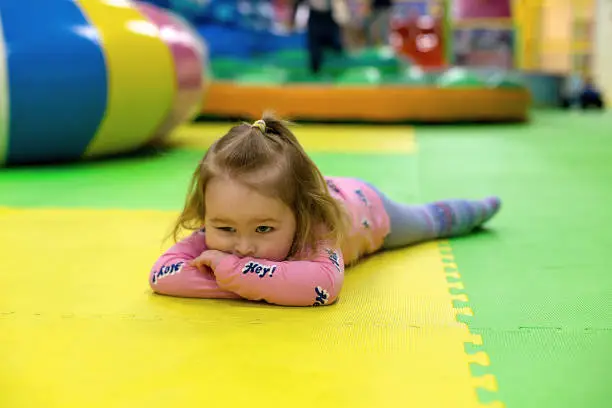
(247, 151)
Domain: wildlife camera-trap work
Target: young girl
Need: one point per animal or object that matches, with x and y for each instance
(266, 225)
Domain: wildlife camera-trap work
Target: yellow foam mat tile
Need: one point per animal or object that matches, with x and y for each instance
(80, 328)
(316, 138)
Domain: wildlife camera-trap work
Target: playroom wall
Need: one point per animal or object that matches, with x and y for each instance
(556, 38)
(602, 64)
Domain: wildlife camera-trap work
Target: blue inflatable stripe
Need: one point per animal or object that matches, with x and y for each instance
(4, 95)
(56, 77)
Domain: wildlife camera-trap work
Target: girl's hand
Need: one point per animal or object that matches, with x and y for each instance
(208, 258)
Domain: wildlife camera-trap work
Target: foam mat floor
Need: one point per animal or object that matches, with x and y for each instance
(80, 328)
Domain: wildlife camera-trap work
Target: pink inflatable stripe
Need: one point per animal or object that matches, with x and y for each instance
(187, 53)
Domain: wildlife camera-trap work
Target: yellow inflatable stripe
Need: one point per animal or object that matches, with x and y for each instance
(4, 101)
(141, 83)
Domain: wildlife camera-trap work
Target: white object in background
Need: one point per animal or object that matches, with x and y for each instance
(602, 56)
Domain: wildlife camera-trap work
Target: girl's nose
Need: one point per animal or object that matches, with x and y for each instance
(244, 248)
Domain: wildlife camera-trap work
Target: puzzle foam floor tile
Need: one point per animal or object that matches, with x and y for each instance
(80, 328)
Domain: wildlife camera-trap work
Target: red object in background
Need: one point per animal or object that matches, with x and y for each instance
(421, 39)
(282, 11)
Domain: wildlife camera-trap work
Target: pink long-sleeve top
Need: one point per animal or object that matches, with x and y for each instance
(313, 281)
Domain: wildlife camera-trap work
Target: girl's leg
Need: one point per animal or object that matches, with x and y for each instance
(411, 224)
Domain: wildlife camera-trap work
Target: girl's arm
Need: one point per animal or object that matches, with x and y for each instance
(313, 282)
(173, 275)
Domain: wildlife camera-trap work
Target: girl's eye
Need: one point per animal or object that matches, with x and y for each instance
(262, 229)
(226, 229)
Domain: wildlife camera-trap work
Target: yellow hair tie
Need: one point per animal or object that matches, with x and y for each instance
(260, 124)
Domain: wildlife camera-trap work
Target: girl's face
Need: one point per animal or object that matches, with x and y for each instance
(243, 222)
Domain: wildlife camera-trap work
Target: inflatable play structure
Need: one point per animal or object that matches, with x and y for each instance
(374, 87)
(91, 78)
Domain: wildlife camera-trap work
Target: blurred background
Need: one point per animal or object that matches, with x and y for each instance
(413, 61)
(546, 44)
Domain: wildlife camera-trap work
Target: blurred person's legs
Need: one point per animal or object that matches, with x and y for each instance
(323, 33)
(315, 50)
